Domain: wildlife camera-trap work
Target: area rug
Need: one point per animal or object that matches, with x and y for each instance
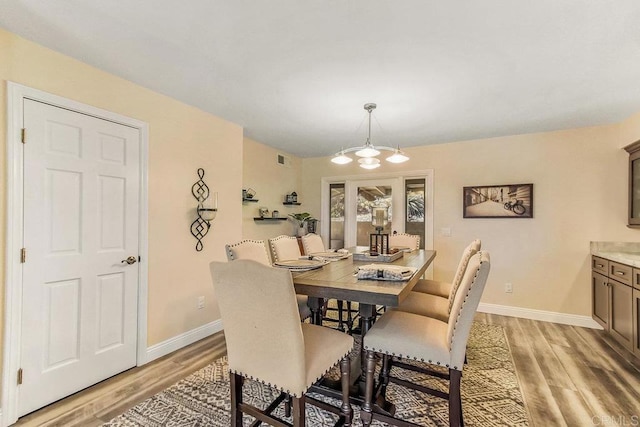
(490, 394)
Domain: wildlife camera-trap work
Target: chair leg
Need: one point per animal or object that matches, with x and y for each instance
(345, 370)
(298, 411)
(287, 406)
(384, 374)
(367, 408)
(340, 310)
(349, 318)
(455, 400)
(236, 399)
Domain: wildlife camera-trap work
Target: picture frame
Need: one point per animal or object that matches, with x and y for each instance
(498, 201)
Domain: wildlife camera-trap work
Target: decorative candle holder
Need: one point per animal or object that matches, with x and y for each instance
(207, 209)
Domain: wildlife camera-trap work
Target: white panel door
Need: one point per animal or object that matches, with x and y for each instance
(81, 202)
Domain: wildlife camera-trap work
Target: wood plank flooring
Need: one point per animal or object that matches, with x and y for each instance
(569, 376)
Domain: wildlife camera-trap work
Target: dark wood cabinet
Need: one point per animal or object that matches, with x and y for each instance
(614, 303)
(600, 292)
(636, 322)
(621, 313)
(634, 184)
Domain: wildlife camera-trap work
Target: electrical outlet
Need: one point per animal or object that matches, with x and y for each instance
(445, 231)
(508, 288)
(200, 302)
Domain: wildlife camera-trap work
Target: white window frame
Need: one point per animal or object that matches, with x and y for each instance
(356, 180)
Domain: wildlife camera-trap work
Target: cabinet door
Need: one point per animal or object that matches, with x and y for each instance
(634, 187)
(600, 300)
(636, 322)
(621, 311)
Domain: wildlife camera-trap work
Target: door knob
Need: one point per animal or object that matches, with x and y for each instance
(130, 260)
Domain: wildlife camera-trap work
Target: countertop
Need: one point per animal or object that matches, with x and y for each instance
(623, 252)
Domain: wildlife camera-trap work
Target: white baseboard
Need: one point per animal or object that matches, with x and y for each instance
(542, 315)
(176, 343)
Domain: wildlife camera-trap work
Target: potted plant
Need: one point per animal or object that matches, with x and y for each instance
(301, 219)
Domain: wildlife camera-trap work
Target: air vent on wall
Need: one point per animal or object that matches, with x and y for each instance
(284, 160)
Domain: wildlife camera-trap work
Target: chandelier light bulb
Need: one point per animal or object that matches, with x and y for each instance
(397, 157)
(367, 151)
(341, 159)
(369, 163)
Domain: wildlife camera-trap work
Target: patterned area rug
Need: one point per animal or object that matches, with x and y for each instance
(490, 394)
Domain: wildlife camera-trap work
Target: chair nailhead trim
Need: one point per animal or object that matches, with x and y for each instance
(380, 351)
(464, 301)
(275, 386)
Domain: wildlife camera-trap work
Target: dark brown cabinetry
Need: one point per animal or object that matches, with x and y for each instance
(600, 292)
(636, 322)
(614, 305)
(634, 184)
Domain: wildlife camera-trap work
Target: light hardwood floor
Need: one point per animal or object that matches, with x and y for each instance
(569, 376)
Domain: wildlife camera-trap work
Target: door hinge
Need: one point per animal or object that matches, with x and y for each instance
(23, 255)
(19, 376)
(23, 135)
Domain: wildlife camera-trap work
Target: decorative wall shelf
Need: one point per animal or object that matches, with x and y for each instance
(291, 203)
(250, 200)
(266, 218)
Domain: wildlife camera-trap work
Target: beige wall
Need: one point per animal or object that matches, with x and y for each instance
(272, 182)
(580, 195)
(181, 139)
(629, 130)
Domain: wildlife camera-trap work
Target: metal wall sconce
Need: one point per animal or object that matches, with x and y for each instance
(207, 209)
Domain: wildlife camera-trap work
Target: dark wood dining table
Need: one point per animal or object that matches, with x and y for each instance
(337, 280)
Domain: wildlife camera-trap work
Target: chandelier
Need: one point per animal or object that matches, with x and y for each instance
(368, 152)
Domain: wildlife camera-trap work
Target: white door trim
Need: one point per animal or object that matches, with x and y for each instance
(14, 214)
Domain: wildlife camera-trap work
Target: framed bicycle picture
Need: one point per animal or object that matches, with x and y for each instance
(498, 201)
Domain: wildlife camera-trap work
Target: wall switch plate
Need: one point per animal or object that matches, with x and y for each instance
(446, 231)
(508, 288)
(200, 302)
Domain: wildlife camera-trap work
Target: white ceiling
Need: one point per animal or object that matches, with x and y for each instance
(296, 74)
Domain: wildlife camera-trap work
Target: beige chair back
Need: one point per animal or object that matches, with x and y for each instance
(254, 250)
(404, 240)
(284, 248)
(312, 243)
(465, 305)
(468, 252)
(262, 327)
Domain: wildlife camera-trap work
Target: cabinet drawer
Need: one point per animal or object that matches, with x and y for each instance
(600, 264)
(636, 278)
(620, 272)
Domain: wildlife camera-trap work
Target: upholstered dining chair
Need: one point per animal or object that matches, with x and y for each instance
(256, 250)
(312, 243)
(404, 240)
(267, 343)
(284, 248)
(443, 289)
(413, 337)
(439, 307)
